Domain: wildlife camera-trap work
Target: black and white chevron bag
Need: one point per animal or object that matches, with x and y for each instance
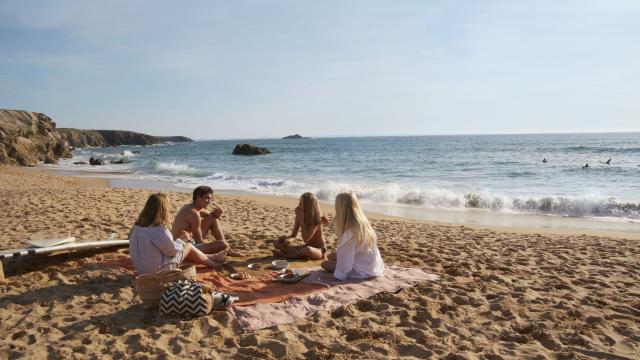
(186, 297)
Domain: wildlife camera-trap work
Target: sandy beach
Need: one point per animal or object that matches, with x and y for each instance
(502, 293)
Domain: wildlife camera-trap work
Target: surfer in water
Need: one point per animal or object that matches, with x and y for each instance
(544, 160)
(586, 166)
(608, 162)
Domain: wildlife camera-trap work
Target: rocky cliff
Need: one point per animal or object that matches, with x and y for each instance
(27, 138)
(99, 138)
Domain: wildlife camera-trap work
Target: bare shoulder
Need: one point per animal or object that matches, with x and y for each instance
(188, 213)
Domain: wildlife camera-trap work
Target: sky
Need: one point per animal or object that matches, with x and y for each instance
(260, 69)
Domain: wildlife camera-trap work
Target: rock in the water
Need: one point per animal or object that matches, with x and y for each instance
(121, 161)
(80, 163)
(248, 149)
(296, 136)
(94, 161)
(50, 160)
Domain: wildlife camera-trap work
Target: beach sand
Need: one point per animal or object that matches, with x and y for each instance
(502, 293)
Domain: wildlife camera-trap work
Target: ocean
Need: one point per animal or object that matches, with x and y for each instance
(477, 176)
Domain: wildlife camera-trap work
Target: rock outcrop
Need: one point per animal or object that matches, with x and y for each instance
(175, 139)
(296, 136)
(93, 161)
(248, 149)
(27, 138)
(101, 138)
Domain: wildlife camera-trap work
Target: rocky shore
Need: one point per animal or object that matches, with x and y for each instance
(27, 138)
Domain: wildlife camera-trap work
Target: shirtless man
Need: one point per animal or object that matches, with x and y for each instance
(196, 220)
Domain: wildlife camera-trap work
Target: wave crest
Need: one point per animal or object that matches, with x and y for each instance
(172, 168)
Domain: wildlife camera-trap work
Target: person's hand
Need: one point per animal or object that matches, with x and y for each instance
(325, 220)
(217, 213)
(185, 236)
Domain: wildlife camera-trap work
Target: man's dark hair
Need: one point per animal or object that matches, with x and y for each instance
(201, 190)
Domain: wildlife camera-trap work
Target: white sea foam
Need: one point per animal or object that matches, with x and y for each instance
(173, 168)
(489, 174)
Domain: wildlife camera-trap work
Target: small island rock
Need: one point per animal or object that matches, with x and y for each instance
(296, 136)
(248, 149)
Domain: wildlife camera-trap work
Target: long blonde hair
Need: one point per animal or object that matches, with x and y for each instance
(349, 216)
(156, 211)
(310, 208)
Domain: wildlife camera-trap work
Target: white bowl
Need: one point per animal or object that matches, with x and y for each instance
(280, 264)
(254, 266)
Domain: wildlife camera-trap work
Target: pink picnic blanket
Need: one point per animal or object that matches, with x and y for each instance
(335, 294)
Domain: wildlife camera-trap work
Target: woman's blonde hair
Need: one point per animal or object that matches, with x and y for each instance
(156, 211)
(311, 210)
(349, 216)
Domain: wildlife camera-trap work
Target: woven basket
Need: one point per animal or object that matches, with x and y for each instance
(151, 286)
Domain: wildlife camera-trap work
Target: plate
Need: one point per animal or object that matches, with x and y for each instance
(283, 278)
(254, 266)
(280, 264)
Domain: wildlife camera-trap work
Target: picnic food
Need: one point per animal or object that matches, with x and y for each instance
(289, 274)
(242, 275)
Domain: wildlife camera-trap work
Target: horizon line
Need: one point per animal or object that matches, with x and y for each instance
(418, 135)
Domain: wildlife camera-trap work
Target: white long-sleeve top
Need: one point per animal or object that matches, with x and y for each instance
(356, 262)
(152, 248)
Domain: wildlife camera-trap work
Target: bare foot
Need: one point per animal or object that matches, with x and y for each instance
(218, 257)
(233, 253)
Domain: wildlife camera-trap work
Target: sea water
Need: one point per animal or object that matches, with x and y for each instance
(491, 174)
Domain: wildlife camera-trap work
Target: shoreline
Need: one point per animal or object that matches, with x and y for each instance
(494, 221)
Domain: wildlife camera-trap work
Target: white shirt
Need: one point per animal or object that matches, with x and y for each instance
(152, 248)
(356, 262)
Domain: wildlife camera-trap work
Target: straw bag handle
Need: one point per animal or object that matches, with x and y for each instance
(166, 273)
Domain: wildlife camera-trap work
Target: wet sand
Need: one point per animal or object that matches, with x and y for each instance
(503, 293)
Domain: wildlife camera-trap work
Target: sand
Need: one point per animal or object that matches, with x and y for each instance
(502, 294)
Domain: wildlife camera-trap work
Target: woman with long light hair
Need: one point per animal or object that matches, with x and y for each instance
(357, 255)
(152, 247)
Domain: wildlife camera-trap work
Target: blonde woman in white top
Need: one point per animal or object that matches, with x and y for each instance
(357, 255)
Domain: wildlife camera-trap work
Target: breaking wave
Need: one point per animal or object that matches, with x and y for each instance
(173, 168)
(586, 206)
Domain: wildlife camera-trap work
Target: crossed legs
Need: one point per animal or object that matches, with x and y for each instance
(209, 223)
(289, 251)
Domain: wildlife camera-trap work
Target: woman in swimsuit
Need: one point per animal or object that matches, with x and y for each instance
(309, 222)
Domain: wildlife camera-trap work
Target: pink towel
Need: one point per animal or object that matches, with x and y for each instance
(336, 294)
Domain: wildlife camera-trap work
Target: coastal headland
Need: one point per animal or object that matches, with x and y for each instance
(502, 293)
(27, 138)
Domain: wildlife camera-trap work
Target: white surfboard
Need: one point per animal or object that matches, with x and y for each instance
(78, 245)
(50, 242)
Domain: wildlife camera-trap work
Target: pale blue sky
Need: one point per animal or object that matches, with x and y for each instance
(246, 69)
